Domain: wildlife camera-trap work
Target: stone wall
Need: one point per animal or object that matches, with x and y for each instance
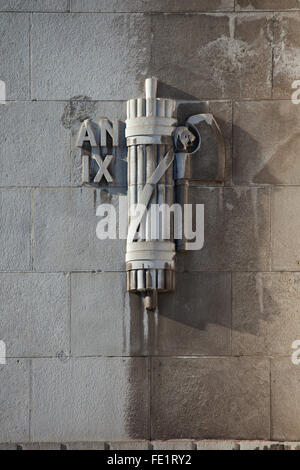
(84, 362)
(171, 445)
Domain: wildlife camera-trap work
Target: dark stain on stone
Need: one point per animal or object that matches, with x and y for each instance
(79, 108)
(244, 3)
(105, 196)
(62, 356)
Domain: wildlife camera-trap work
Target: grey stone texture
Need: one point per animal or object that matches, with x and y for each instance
(113, 42)
(285, 228)
(221, 56)
(35, 304)
(15, 233)
(152, 6)
(222, 111)
(265, 313)
(65, 232)
(173, 445)
(285, 398)
(248, 5)
(14, 51)
(206, 396)
(83, 446)
(268, 445)
(209, 444)
(236, 230)
(8, 446)
(34, 5)
(84, 356)
(205, 162)
(286, 47)
(129, 445)
(107, 320)
(74, 113)
(205, 444)
(268, 153)
(14, 398)
(39, 446)
(99, 314)
(35, 148)
(196, 319)
(232, 56)
(94, 397)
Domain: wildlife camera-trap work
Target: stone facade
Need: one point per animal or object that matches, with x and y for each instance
(84, 361)
(171, 445)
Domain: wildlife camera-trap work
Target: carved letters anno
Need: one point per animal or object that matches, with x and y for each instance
(96, 140)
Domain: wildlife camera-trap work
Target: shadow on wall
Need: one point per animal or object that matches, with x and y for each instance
(236, 229)
(237, 239)
(243, 168)
(196, 320)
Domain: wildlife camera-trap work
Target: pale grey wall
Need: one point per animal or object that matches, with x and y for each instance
(85, 363)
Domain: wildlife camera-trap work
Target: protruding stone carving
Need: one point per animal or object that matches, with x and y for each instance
(150, 255)
(95, 140)
(161, 162)
(159, 156)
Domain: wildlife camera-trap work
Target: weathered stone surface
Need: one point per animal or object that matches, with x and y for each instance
(263, 445)
(266, 308)
(173, 445)
(157, 445)
(110, 64)
(153, 6)
(35, 314)
(15, 223)
(237, 230)
(8, 446)
(217, 445)
(290, 445)
(285, 401)
(78, 110)
(196, 318)
(99, 318)
(205, 161)
(35, 146)
(285, 228)
(14, 32)
(14, 398)
(222, 112)
(90, 398)
(267, 153)
(267, 5)
(34, 5)
(286, 51)
(107, 320)
(84, 446)
(65, 232)
(78, 59)
(220, 397)
(129, 445)
(39, 446)
(221, 56)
